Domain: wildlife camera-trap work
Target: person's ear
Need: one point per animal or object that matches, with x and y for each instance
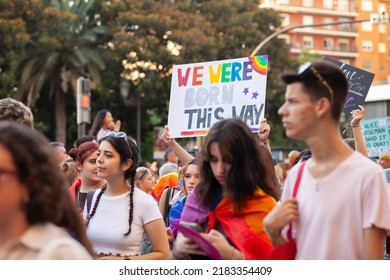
(323, 107)
(126, 166)
(78, 166)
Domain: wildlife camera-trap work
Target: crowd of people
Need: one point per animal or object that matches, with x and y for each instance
(102, 201)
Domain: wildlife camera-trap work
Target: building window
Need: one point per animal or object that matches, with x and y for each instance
(308, 42)
(328, 20)
(382, 47)
(308, 3)
(366, 26)
(307, 20)
(344, 45)
(343, 5)
(327, 4)
(285, 19)
(345, 26)
(367, 65)
(382, 66)
(328, 43)
(382, 28)
(367, 5)
(367, 46)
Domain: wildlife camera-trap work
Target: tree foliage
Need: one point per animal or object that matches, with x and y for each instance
(138, 41)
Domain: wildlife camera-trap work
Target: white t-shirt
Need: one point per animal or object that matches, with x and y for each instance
(334, 210)
(107, 227)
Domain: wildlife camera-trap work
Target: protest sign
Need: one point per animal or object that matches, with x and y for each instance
(359, 82)
(204, 93)
(376, 136)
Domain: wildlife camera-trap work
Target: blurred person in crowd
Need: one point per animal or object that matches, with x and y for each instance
(125, 210)
(60, 151)
(168, 167)
(103, 124)
(384, 161)
(85, 157)
(236, 190)
(291, 157)
(190, 175)
(83, 139)
(144, 179)
(285, 168)
(13, 110)
(68, 166)
(170, 156)
(339, 188)
(37, 217)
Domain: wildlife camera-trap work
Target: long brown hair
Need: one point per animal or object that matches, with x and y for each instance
(38, 169)
(251, 168)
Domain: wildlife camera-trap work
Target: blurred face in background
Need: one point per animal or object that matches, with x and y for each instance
(88, 169)
(61, 154)
(108, 121)
(146, 181)
(384, 161)
(191, 177)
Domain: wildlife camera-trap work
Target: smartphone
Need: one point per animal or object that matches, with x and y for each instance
(192, 225)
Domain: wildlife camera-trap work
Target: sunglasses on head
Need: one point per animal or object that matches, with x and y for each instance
(120, 135)
(144, 174)
(308, 66)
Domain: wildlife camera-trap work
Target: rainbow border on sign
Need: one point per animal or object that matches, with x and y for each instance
(194, 132)
(259, 64)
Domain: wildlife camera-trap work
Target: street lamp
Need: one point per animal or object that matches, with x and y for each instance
(382, 17)
(124, 88)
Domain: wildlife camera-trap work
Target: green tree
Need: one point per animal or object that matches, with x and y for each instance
(64, 45)
(163, 33)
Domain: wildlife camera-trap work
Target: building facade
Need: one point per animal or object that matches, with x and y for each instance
(346, 30)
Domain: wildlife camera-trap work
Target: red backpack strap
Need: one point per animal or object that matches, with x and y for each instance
(294, 194)
(299, 176)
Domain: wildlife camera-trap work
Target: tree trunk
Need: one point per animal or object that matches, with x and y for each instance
(60, 117)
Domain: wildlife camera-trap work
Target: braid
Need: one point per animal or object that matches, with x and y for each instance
(89, 216)
(132, 176)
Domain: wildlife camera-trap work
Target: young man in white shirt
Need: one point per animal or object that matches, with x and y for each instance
(341, 208)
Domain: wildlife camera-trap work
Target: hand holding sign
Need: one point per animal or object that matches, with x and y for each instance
(357, 115)
(264, 130)
(359, 82)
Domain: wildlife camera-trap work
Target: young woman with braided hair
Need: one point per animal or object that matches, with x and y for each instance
(120, 214)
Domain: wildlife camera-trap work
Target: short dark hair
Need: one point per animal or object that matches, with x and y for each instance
(315, 88)
(167, 152)
(83, 139)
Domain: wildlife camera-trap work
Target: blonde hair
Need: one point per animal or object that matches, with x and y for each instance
(140, 174)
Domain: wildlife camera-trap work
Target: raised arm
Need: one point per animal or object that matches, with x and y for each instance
(263, 133)
(180, 152)
(357, 116)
